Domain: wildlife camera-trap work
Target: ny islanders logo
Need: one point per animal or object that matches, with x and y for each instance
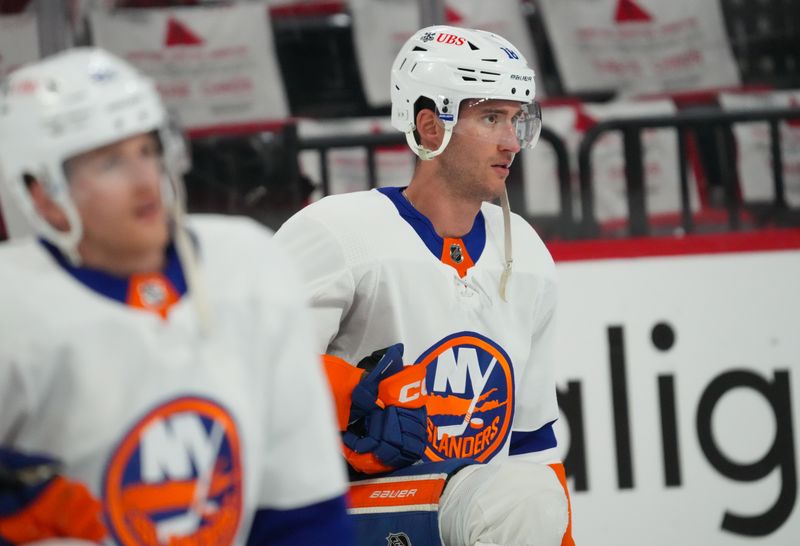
(470, 402)
(176, 477)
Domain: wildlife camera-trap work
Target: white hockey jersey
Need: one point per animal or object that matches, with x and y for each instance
(378, 274)
(179, 433)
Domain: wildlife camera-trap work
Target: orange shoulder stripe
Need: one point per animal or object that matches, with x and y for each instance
(558, 468)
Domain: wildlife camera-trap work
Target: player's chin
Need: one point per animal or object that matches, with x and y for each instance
(495, 187)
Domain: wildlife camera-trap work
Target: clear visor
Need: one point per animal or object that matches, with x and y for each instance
(506, 123)
(131, 160)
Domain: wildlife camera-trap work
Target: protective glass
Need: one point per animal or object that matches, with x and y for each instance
(500, 122)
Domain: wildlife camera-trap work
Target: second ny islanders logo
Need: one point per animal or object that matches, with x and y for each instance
(470, 403)
(176, 477)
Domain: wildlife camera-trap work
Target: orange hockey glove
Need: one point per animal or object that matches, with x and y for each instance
(36, 504)
(381, 412)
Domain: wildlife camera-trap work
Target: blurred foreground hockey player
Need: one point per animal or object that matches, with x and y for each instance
(426, 271)
(156, 382)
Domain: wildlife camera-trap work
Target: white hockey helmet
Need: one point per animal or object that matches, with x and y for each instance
(449, 65)
(68, 104)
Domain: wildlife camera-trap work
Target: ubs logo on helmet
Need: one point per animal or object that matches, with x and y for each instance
(470, 384)
(176, 477)
(450, 39)
(23, 87)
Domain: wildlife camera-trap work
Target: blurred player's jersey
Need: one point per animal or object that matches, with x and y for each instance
(378, 274)
(178, 433)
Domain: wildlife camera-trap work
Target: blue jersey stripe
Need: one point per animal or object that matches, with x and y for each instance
(531, 442)
(322, 523)
(115, 287)
(475, 240)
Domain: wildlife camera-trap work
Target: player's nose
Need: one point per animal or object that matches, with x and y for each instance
(508, 139)
(145, 173)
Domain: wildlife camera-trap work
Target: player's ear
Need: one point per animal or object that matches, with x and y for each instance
(45, 205)
(429, 129)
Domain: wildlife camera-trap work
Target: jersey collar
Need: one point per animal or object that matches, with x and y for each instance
(474, 241)
(131, 290)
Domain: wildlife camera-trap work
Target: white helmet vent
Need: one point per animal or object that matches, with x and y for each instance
(484, 75)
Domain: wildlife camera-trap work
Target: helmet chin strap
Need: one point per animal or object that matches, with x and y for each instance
(424, 153)
(66, 241)
(187, 254)
(507, 241)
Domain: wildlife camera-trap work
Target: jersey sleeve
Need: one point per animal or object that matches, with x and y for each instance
(537, 406)
(328, 281)
(302, 462)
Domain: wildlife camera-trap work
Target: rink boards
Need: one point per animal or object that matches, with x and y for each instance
(678, 384)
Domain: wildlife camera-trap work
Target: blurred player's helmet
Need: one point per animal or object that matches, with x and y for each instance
(68, 104)
(449, 65)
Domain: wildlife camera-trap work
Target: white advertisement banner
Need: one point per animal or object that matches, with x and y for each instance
(678, 384)
(214, 66)
(347, 167)
(19, 41)
(638, 46)
(754, 156)
(661, 167)
(381, 27)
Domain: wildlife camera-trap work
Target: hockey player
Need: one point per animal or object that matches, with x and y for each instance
(430, 266)
(156, 383)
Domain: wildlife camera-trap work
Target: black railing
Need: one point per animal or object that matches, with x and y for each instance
(711, 129)
(370, 142)
(685, 123)
(565, 227)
